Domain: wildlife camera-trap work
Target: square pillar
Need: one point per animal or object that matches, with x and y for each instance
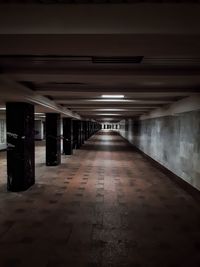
(79, 134)
(82, 132)
(92, 128)
(67, 136)
(87, 130)
(21, 146)
(53, 141)
(76, 134)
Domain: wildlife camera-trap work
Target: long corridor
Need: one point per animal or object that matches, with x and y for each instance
(104, 206)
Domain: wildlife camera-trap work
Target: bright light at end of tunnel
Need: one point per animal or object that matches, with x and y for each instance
(112, 96)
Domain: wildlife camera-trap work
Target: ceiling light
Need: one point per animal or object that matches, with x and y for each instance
(111, 100)
(109, 109)
(2, 108)
(107, 114)
(107, 119)
(112, 96)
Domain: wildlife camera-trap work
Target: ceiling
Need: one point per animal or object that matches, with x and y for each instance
(78, 82)
(152, 66)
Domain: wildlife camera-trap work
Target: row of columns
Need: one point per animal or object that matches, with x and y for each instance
(110, 126)
(21, 147)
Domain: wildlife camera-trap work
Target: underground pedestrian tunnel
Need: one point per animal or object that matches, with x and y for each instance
(99, 133)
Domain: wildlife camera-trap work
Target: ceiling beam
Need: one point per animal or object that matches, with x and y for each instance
(139, 71)
(109, 109)
(117, 105)
(133, 102)
(158, 90)
(12, 91)
(156, 45)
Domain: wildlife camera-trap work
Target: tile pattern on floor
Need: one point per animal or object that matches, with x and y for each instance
(104, 206)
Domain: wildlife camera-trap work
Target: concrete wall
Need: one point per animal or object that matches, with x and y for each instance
(2, 134)
(3, 142)
(172, 140)
(39, 130)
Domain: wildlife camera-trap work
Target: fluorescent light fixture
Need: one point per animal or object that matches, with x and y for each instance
(111, 100)
(2, 108)
(39, 113)
(107, 119)
(112, 96)
(109, 109)
(107, 114)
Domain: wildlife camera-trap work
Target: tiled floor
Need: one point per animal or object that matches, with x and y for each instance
(104, 206)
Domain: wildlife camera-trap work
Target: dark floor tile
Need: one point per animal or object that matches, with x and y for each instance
(100, 208)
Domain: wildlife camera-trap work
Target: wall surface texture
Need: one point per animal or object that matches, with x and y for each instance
(39, 130)
(3, 142)
(173, 141)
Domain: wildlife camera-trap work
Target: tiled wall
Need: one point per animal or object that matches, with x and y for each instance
(2, 133)
(173, 141)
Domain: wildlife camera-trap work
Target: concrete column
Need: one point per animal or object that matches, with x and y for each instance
(90, 128)
(76, 134)
(83, 131)
(67, 136)
(93, 128)
(87, 130)
(79, 134)
(21, 147)
(53, 140)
